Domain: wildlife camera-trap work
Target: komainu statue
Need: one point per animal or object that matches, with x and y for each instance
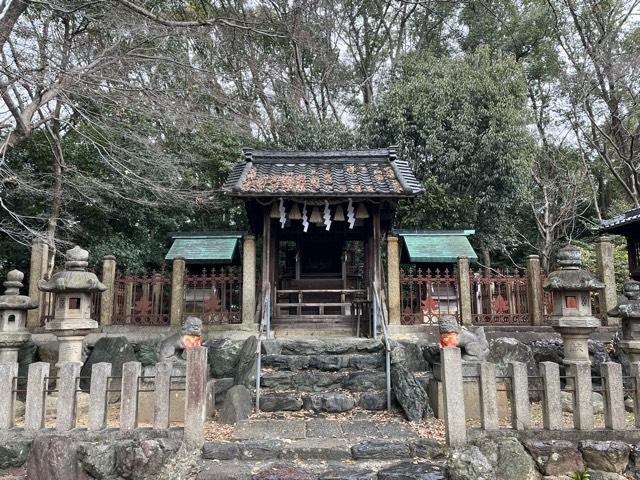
(474, 345)
(173, 348)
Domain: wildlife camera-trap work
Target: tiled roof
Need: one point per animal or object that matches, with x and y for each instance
(612, 224)
(353, 173)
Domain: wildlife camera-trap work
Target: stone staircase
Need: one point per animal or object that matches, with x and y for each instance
(328, 375)
(314, 325)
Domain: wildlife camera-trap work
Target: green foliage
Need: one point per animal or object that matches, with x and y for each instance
(461, 123)
(620, 259)
(580, 475)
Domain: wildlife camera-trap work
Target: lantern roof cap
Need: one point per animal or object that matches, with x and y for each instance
(12, 300)
(74, 278)
(629, 304)
(570, 276)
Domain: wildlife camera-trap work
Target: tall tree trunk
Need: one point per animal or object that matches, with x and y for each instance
(10, 11)
(58, 187)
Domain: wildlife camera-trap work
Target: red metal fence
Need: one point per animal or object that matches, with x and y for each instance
(215, 296)
(499, 297)
(425, 296)
(142, 299)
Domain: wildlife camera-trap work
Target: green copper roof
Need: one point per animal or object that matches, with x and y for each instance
(438, 246)
(204, 247)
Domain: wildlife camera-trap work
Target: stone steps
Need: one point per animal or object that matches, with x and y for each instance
(322, 375)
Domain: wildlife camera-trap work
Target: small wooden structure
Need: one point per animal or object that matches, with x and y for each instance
(628, 225)
(322, 217)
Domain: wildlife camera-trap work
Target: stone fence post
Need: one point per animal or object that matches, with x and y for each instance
(607, 275)
(8, 372)
(195, 396)
(37, 271)
(108, 296)
(534, 290)
(177, 291)
(249, 280)
(393, 279)
(453, 396)
(464, 291)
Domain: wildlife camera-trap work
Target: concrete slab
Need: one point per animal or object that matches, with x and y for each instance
(323, 429)
(360, 429)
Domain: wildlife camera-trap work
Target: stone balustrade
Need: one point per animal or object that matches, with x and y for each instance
(577, 384)
(39, 383)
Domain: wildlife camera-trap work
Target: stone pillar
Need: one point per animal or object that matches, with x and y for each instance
(161, 394)
(108, 296)
(582, 395)
(8, 371)
(607, 274)
(534, 290)
(488, 396)
(97, 417)
(453, 395)
(248, 279)
(464, 291)
(552, 404)
(520, 416)
(37, 271)
(129, 396)
(67, 385)
(177, 291)
(36, 396)
(635, 383)
(195, 397)
(613, 396)
(393, 279)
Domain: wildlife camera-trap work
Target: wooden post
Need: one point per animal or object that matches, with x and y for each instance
(195, 397)
(534, 290)
(108, 296)
(464, 291)
(177, 291)
(266, 252)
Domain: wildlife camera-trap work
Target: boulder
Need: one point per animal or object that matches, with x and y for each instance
(598, 354)
(223, 357)
(409, 393)
(329, 402)
(276, 402)
(309, 380)
(114, 350)
(634, 460)
(469, 463)
(53, 457)
(610, 456)
(237, 405)
(366, 362)
(97, 459)
(555, 457)
(431, 354)
(281, 472)
(222, 386)
(380, 450)
(548, 350)
(365, 380)
(261, 449)
(412, 471)
(414, 360)
(372, 401)
(143, 459)
(428, 448)
(597, 401)
(330, 363)
(220, 451)
(505, 350)
(27, 355)
(246, 367)
(14, 450)
(598, 475)
(348, 473)
(509, 458)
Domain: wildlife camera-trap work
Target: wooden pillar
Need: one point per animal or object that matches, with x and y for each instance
(534, 290)
(266, 252)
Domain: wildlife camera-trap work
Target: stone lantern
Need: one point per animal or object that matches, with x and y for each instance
(73, 288)
(629, 311)
(571, 287)
(13, 317)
